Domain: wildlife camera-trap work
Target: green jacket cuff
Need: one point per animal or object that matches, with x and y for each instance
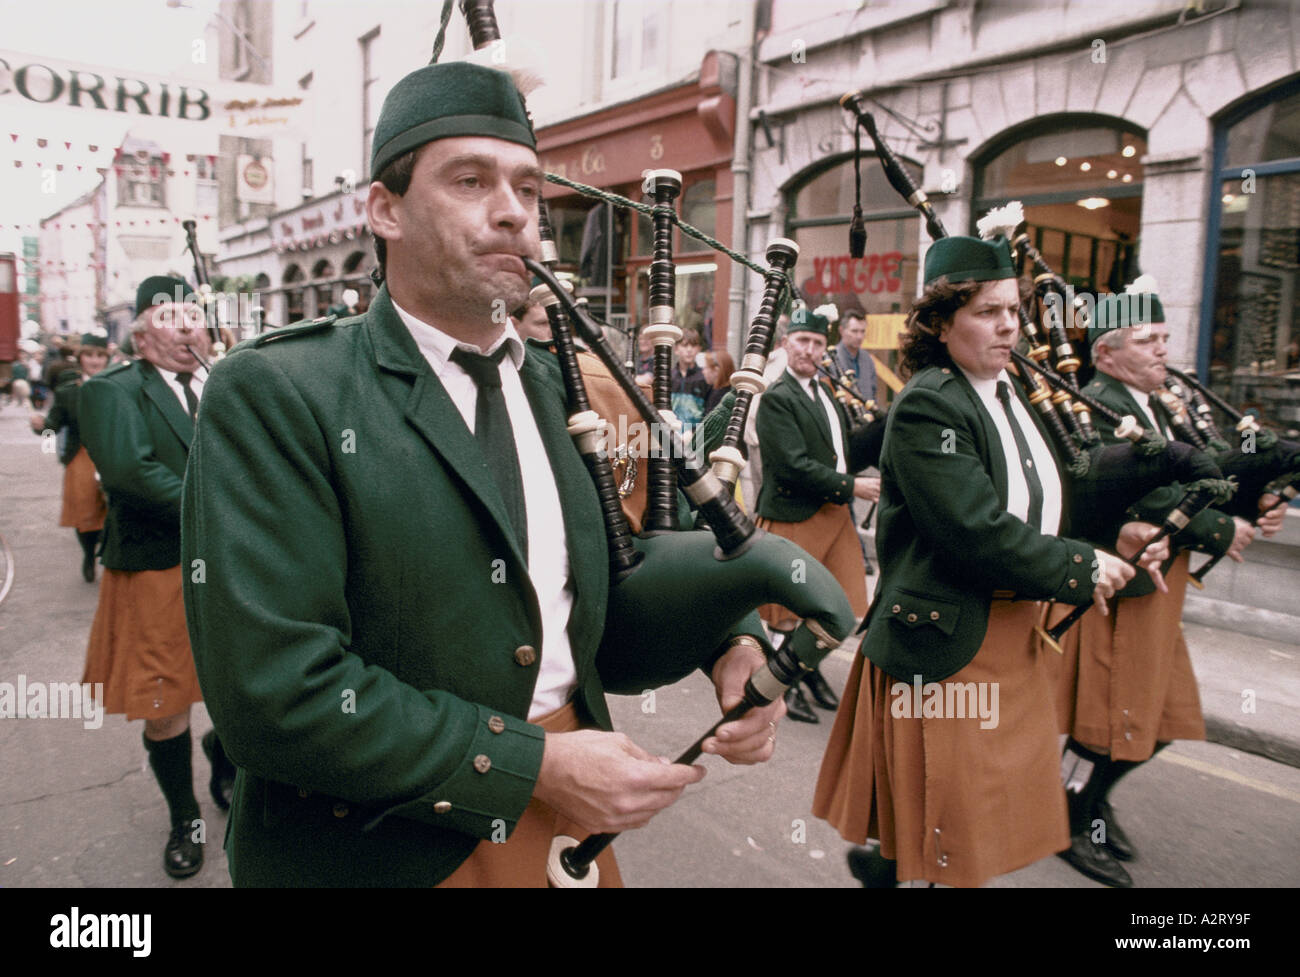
(491, 787)
(1077, 585)
(1210, 531)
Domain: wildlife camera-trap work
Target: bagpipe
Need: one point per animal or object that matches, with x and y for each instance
(707, 580)
(207, 300)
(1105, 479)
(1261, 464)
(867, 419)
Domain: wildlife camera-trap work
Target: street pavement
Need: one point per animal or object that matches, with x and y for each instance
(79, 808)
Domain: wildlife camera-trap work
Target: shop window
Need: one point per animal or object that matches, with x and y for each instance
(699, 209)
(1081, 184)
(884, 280)
(1252, 347)
(693, 305)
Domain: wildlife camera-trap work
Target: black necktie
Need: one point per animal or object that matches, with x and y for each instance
(495, 435)
(191, 401)
(1035, 518)
(1157, 409)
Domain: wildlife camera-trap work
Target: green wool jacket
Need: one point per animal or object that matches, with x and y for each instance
(1210, 531)
(944, 538)
(799, 475)
(138, 435)
(364, 627)
(63, 417)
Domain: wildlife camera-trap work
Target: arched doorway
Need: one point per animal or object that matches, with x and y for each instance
(1080, 179)
(293, 295)
(820, 209)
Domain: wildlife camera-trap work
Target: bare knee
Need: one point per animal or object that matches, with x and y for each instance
(167, 727)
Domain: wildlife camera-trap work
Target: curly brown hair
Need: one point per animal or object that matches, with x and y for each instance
(920, 346)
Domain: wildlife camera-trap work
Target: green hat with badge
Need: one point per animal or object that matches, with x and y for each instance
(1137, 305)
(160, 289)
(817, 320)
(443, 100)
(968, 259)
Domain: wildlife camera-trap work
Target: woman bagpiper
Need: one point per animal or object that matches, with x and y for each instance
(84, 508)
(945, 746)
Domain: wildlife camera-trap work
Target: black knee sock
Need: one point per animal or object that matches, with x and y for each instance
(1081, 784)
(1117, 769)
(170, 760)
(88, 541)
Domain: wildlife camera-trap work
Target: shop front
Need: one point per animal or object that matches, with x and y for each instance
(606, 250)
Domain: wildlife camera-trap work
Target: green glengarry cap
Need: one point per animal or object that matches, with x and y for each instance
(93, 340)
(1122, 311)
(443, 100)
(160, 289)
(803, 319)
(968, 259)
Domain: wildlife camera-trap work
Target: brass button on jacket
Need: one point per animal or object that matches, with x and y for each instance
(911, 619)
(482, 763)
(934, 615)
(442, 807)
(1078, 558)
(497, 724)
(896, 608)
(1073, 584)
(525, 655)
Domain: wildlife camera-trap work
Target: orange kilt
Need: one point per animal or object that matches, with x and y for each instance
(84, 507)
(953, 803)
(1125, 682)
(520, 861)
(831, 539)
(139, 648)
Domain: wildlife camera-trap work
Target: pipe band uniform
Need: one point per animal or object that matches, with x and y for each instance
(84, 507)
(387, 735)
(971, 504)
(137, 423)
(1126, 688)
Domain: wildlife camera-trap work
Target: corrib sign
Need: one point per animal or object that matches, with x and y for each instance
(256, 111)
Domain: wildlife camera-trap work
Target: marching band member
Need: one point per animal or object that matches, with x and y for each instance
(137, 422)
(944, 747)
(399, 644)
(83, 502)
(809, 479)
(1127, 687)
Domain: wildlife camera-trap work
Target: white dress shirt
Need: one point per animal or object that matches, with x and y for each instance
(1150, 421)
(196, 385)
(548, 551)
(814, 390)
(1044, 460)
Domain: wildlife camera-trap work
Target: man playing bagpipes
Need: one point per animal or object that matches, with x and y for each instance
(809, 478)
(398, 629)
(1127, 688)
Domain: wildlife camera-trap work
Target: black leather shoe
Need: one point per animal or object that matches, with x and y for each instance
(797, 708)
(1096, 862)
(821, 690)
(1116, 840)
(183, 856)
(88, 568)
(873, 869)
(222, 783)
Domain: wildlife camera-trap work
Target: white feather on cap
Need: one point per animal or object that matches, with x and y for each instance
(518, 58)
(828, 311)
(1143, 283)
(1001, 220)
